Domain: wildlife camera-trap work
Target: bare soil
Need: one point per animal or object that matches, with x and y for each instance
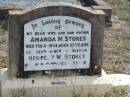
(117, 47)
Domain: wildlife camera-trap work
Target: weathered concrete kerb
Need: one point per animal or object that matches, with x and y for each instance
(3, 78)
(63, 86)
(53, 87)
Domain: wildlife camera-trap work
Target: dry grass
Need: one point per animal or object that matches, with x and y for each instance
(117, 49)
(116, 92)
(121, 8)
(117, 39)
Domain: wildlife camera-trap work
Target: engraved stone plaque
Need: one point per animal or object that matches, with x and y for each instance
(57, 42)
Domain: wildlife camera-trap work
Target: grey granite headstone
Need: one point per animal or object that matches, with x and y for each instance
(56, 38)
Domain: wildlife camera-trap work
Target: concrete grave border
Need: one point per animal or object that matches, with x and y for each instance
(62, 86)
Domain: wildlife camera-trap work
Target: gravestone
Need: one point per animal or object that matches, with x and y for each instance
(3, 15)
(55, 38)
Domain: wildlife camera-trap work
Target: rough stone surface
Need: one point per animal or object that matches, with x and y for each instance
(3, 78)
(95, 4)
(3, 14)
(107, 10)
(105, 7)
(128, 95)
(119, 79)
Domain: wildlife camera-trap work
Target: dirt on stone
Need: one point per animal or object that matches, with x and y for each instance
(3, 48)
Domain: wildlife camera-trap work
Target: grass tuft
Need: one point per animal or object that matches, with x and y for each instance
(121, 8)
(117, 39)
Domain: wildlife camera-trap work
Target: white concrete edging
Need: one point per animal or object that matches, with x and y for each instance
(62, 86)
